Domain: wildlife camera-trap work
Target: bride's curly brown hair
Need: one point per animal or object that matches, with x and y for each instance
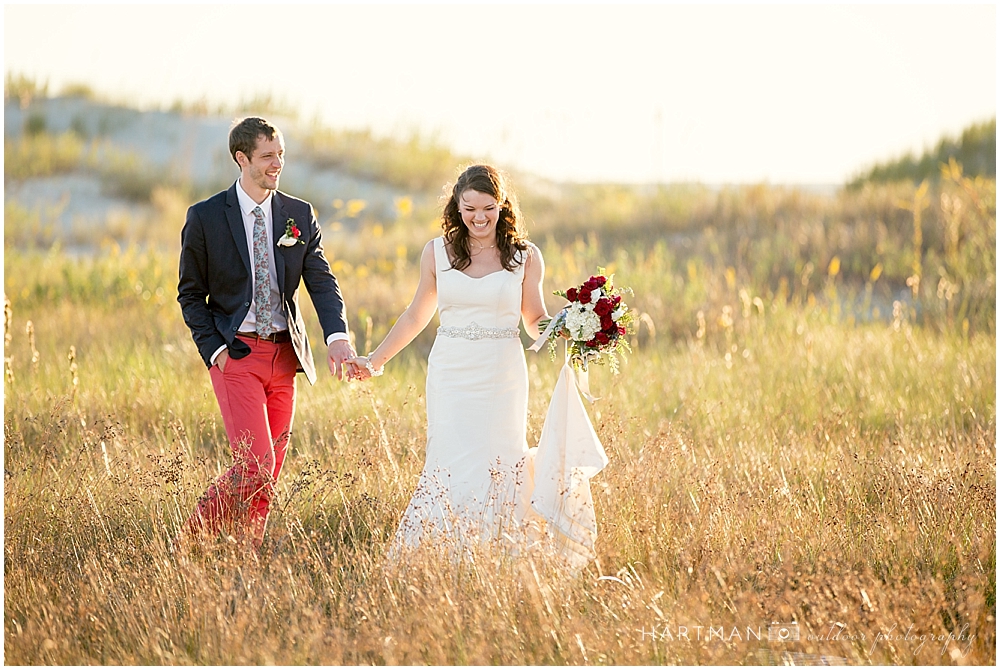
(510, 233)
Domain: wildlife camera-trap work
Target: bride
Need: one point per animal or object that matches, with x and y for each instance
(477, 483)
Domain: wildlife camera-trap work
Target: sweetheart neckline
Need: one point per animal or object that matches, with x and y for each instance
(483, 277)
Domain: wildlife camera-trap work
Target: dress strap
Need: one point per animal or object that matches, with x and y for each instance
(441, 261)
(521, 257)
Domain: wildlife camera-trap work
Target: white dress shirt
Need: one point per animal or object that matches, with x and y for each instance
(249, 325)
(247, 206)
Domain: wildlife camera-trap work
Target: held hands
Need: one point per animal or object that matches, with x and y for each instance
(365, 368)
(360, 363)
(345, 363)
(340, 359)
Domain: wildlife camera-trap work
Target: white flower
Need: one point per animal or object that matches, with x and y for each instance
(582, 323)
(618, 313)
(287, 241)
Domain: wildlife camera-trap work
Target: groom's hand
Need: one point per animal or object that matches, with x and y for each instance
(338, 352)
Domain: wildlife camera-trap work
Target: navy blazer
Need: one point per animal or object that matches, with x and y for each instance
(216, 279)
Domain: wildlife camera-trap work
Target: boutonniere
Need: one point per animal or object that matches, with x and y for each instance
(291, 236)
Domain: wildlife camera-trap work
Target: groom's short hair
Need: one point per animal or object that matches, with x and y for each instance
(244, 133)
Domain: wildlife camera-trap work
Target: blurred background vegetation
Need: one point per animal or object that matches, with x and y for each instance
(83, 173)
(975, 149)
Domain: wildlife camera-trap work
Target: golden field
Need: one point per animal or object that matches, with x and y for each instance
(791, 441)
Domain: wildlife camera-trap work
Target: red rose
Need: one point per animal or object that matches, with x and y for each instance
(571, 295)
(584, 296)
(592, 343)
(592, 283)
(601, 280)
(607, 322)
(603, 307)
(602, 338)
(621, 330)
(295, 231)
(616, 300)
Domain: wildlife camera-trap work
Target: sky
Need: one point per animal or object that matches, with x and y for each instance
(793, 93)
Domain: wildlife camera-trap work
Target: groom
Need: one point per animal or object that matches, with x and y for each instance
(243, 252)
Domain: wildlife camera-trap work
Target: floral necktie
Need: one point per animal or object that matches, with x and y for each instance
(261, 277)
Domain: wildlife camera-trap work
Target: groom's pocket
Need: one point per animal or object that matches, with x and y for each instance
(240, 361)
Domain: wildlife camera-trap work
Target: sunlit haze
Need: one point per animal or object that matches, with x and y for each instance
(785, 94)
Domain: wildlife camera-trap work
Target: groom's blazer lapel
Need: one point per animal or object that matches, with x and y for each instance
(235, 219)
(278, 219)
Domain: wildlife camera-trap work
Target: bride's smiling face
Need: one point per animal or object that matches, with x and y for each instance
(480, 213)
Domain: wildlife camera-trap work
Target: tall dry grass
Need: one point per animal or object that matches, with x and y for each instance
(769, 462)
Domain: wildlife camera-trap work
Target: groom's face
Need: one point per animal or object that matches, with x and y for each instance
(264, 167)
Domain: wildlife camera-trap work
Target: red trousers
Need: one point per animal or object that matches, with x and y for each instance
(256, 395)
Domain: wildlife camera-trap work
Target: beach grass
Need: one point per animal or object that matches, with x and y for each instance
(780, 453)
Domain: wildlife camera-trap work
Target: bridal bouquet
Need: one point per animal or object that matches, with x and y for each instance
(595, 322)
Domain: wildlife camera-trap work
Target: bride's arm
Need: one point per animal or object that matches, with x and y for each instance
(532, 304)
(416, 317)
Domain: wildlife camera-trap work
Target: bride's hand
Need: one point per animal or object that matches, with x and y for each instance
(544, 323)
(358, 368)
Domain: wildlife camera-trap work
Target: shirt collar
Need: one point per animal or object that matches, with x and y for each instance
(246, 202)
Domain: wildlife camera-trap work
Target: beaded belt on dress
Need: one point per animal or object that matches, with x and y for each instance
(476, 332)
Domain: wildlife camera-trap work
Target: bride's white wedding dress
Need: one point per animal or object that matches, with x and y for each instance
(480, 481)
